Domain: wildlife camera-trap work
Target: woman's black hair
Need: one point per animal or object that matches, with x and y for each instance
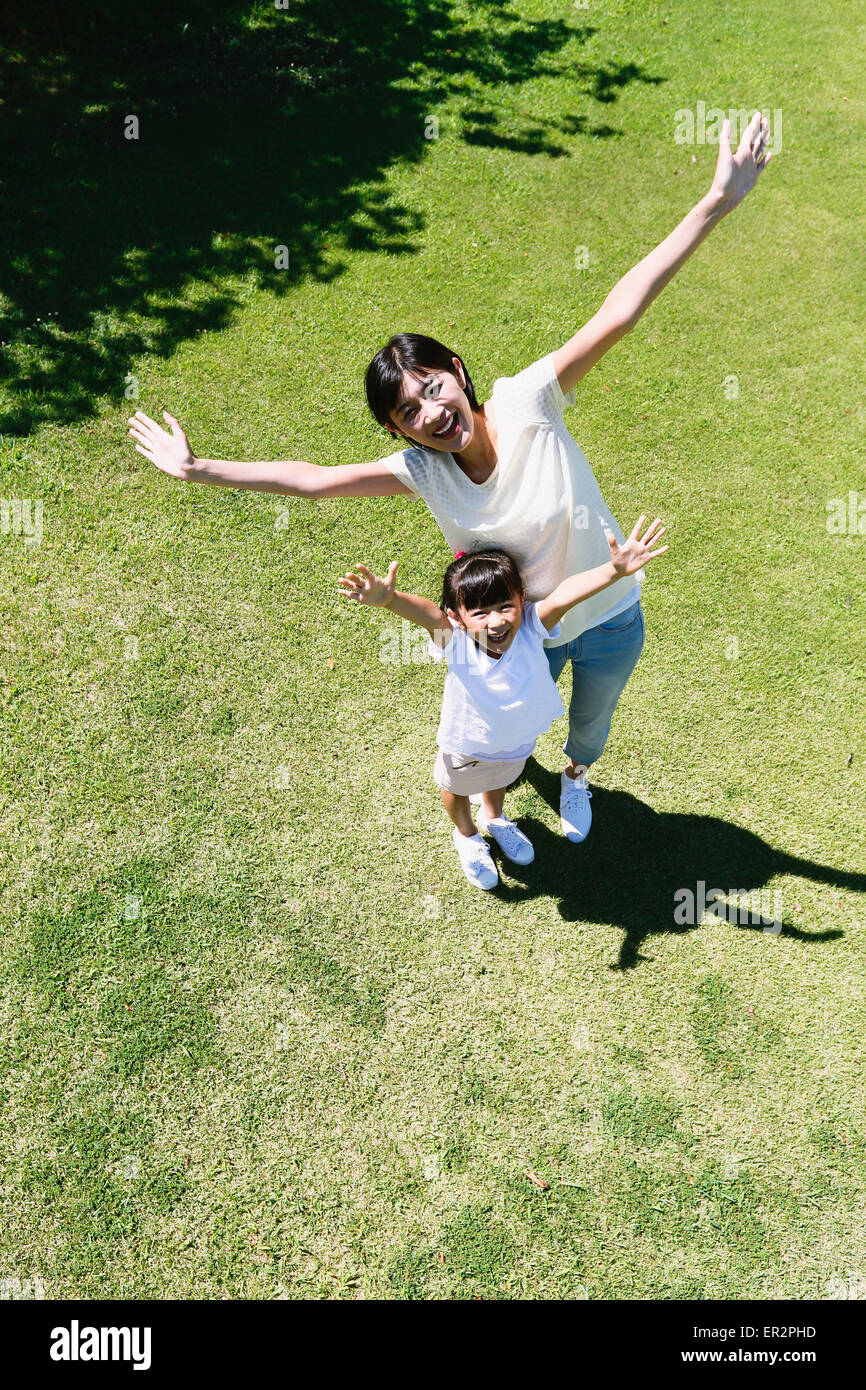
(480, 579)
(408, 352)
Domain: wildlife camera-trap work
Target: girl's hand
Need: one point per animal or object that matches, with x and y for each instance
(170, 452)
(366, 588)
(636, 550)
(736, 174)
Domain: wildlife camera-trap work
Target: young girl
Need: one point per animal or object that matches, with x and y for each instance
(499, 694)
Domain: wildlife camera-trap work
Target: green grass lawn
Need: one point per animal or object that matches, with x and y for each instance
(260, 1038)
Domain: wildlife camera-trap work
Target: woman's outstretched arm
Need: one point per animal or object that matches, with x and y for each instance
(736, 175)
(172, 454)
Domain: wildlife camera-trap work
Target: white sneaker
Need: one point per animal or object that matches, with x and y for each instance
(513, 843)
(475, 860)
(575, 811)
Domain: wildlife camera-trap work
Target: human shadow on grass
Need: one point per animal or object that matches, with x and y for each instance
(259, 128)
(635, 860)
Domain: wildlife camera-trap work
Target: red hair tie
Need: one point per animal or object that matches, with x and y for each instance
(458, 553)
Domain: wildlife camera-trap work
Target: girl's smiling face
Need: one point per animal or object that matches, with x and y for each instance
(493, 627)
(434, 411)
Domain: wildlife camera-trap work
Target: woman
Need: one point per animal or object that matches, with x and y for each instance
(508, 472)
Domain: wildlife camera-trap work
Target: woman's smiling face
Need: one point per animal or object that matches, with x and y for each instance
(433, 410)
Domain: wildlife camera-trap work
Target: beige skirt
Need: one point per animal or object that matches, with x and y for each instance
(464, 775)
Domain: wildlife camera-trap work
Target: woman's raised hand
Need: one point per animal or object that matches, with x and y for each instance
(366, 588)
(737, 173)
(636, 549)
(170, 452)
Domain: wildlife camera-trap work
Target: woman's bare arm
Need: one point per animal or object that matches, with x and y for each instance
(172, 454)
(295, 478)
(736, 174)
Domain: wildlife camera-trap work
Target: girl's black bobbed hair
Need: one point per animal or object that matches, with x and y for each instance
(481, 578)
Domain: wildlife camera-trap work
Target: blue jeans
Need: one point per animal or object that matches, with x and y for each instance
(602, 659)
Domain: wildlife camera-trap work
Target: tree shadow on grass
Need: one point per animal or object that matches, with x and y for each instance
(636, 860)
(258, 128)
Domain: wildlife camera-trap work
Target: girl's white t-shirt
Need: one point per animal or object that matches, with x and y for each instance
(541, 502)
(495, 707)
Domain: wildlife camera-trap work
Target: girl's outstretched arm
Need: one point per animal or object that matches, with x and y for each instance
(635, 551)
(172, 454)
(736, 174)
(364, 587)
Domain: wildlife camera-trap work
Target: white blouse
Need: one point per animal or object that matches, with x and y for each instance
(541, 502)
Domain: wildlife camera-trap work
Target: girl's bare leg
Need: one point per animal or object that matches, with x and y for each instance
(493, 802)
(458, 808)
